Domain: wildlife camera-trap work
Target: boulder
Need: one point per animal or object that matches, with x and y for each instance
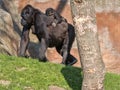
(9, 39)
(11, 6)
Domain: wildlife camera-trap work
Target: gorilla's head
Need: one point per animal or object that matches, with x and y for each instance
(50, 11)
(27, 15)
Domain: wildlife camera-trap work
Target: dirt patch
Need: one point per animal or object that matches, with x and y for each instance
(55, 88)
(20, 68)
(28, 88)
(5, 82)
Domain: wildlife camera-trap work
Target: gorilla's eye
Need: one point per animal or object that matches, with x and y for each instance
(50, 13)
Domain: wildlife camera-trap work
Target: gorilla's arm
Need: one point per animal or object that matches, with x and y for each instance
(42, 34)
(24, 41)
(42, 50)
(64, 50)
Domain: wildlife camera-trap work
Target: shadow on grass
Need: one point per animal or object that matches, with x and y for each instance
(33, 50)
(73, 77)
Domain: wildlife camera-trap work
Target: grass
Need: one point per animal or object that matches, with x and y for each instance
(30, 74)
(112, 81)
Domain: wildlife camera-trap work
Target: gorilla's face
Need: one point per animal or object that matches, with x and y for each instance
(50, 12)
(27, 15)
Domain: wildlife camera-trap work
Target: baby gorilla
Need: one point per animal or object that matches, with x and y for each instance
(56, 18)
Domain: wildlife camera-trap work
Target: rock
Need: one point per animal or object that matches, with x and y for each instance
(11, 6)
(8, 37)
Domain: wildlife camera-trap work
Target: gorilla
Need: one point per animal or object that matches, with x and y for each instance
(61, 37)
(55, 16)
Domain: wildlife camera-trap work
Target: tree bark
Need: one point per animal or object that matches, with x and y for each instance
(84, 19)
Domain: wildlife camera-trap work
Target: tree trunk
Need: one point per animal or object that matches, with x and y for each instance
(84, 18)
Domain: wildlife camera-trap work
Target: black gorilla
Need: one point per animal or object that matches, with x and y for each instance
(61, 37)
(55, 16)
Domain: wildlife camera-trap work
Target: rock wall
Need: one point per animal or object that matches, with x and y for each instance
(107, 6)
(9, 27)
(8, 38)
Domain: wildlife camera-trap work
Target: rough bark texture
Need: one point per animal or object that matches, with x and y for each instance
(84, 19)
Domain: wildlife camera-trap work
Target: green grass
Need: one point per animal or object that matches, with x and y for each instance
(25, 74)
(112, 81)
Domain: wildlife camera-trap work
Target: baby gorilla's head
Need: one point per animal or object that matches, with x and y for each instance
(50, 12)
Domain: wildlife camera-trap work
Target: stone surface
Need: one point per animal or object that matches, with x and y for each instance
(11, 6)
(8, 38)
(109, 33)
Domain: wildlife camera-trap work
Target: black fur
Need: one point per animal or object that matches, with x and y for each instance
(61, 37)
(55, 16)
